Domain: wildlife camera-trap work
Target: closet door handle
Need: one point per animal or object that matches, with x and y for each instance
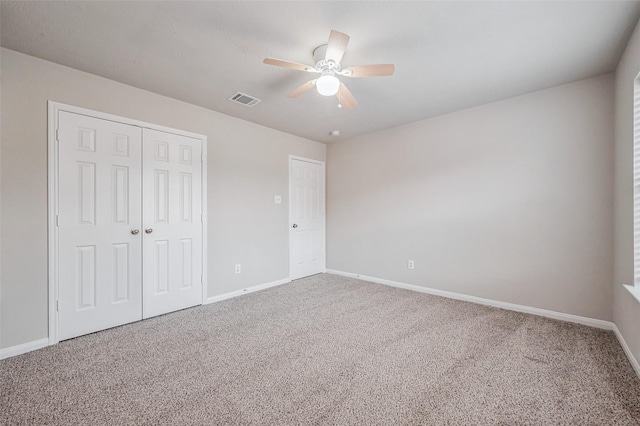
(135, 231)
(148, 230)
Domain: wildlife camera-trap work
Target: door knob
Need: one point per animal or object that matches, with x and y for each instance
(295, 225)
(135, 231)
(148, 230)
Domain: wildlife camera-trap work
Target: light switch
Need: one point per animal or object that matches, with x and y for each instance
(278, 199)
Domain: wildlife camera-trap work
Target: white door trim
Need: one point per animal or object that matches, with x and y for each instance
(324, 221)
(53, 109)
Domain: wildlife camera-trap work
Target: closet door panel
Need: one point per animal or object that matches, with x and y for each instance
(99, 204)
(172, 221)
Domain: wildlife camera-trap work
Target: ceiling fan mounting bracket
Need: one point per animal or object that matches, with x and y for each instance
(320, 53)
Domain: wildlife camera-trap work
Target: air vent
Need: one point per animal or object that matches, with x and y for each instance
(244, 99)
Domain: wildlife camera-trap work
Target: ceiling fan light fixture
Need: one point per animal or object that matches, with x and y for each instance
(328, 85)
(327, 58)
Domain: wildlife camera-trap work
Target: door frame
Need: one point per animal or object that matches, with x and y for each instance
(324, 218)
(53, 187)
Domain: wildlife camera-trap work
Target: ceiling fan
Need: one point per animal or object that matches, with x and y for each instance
(327, 58)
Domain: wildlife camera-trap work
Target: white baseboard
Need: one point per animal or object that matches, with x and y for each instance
(627, 351)
(592, 322)
(247, 290)
(23, 348)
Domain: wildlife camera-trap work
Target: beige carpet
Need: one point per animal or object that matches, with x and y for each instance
(328, 350)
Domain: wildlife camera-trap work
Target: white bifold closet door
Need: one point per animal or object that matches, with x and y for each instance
(172, 212)
(129, 223)
(99, 204)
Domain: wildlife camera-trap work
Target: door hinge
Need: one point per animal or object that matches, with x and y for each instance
(58, 305)
(57, 220)
(58, 135)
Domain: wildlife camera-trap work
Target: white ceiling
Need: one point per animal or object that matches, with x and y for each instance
(448, 55)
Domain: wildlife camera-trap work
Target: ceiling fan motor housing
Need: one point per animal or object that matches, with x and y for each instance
(323, 64)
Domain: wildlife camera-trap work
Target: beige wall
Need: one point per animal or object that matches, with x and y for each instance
(247, 166)
(509, 201)
(626, 310)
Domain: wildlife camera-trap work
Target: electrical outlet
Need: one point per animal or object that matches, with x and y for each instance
(410, 264)
(277, 199)
(238, 268)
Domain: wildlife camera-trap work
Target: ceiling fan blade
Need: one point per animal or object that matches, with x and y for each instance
(289, 64)
(300, 90)
(345, 97)
(336, 46)
(378, 70)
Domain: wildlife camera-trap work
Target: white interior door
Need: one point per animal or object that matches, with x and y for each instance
(99, 211)
(172, 217)
(307, 192)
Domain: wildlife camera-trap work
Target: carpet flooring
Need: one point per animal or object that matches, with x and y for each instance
(328, 350)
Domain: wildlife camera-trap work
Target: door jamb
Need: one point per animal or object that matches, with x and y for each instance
(324, 215)
(53, 108)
